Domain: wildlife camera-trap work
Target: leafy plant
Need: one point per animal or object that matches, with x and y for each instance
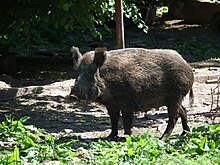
(29, 144)
(134, 149)
(28, 23)
(201, 147)
(204, 139)
(21, 144)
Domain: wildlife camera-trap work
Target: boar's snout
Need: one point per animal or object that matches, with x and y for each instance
(85, 92)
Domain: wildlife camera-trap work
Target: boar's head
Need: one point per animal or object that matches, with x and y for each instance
(89, 85)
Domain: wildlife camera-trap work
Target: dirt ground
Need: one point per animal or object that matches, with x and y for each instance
(48, 108)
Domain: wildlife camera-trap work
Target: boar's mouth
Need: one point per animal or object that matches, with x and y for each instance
(84, 94)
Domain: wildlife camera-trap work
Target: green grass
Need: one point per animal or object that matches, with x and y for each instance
(22, 144)
(197, 50)
(191, 49)
(28, 144)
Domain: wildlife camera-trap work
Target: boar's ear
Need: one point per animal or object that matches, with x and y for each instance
(76, 55)
(100, 56)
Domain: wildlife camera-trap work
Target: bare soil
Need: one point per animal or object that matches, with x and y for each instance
(49, 109)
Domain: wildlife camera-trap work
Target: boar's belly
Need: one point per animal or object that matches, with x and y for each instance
(146, 104)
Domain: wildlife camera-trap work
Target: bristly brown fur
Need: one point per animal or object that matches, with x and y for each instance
(136, 79)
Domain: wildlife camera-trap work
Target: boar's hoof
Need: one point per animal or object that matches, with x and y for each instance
(116, 138)
(112, 136)
(71, 98)
(185, 132)
(164, 137)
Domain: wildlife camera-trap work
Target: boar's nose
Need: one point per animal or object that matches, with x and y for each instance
(72, 97)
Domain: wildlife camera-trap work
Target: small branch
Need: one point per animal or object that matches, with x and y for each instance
(212, 96)
(213, 81)
(216, 91)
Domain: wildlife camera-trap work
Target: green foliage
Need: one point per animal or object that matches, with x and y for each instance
(197, 49)
(27, 144)
(141, 149)
(26, 23)
(21, 144)
(132, 11)
(204, 139)
(163, 9)
(192, 49)
(201, 147)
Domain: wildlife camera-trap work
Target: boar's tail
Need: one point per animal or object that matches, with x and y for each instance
(191, 97)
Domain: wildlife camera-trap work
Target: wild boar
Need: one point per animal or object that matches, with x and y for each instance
(134, 79)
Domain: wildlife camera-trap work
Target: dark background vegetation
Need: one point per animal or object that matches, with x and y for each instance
(33, 28)
(27, 25)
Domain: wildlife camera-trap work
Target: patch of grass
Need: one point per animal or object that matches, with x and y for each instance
(191, 49)
(201, 147)
(197, 50)
(21, 144)
(141, 149)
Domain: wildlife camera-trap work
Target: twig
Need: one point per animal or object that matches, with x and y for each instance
(213, 91)
(218, 93)
(212, 96)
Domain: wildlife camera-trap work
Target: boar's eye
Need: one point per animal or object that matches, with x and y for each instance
(77, 79)
(92, 69)
(80, 69)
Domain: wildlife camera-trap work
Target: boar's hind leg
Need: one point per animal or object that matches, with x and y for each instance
(173, 113)
(114, 114)
(183, 115)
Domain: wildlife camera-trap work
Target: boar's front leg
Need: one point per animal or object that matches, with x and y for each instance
(114, 114)
(127, 117)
